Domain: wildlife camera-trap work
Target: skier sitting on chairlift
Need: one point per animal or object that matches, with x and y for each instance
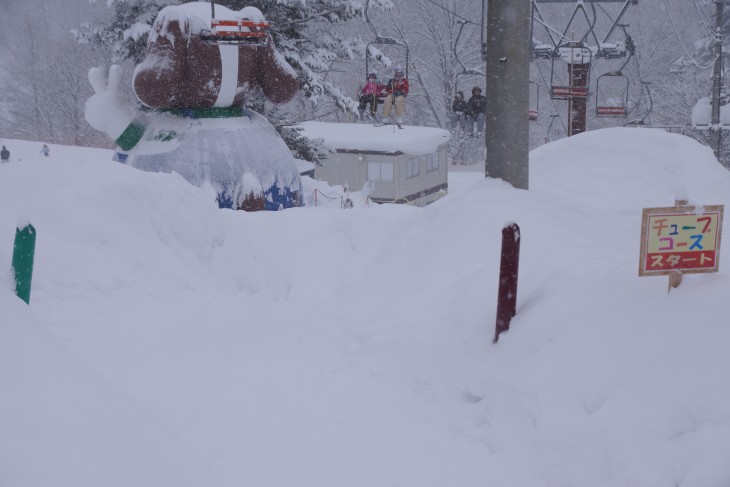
(477, 106)
(458, 118)
(397, 88)
(370, 93)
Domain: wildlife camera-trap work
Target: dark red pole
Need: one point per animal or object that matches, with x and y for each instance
(577, 105)
(508, 270)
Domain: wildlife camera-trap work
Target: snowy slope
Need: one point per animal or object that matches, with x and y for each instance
(322, 347)
(63, 424)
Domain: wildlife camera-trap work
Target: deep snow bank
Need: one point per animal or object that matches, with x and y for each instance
(329, 347)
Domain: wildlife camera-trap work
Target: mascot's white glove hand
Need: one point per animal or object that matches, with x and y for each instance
(107, 110)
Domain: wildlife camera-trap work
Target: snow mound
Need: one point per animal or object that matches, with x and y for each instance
(625, 169)
(64, 424)
(318, 346)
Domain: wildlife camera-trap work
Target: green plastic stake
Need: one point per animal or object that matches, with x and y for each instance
(23, 253)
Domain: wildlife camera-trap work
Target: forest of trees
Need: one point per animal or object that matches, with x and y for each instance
(49, 46)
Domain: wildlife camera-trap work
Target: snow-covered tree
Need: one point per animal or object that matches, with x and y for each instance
(127, 29)
(44, 77)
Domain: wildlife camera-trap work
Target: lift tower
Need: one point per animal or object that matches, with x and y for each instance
(507, 91)
(579, 53)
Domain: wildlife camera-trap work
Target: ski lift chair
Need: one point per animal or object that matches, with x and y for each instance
(238, 32)
(571, 91)
(612, 95)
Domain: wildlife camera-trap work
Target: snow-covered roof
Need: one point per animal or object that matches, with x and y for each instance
(363, 137)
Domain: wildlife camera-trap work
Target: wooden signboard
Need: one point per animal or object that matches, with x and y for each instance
(680, 239)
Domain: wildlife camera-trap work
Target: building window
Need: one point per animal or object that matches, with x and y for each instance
(413, 167)
(380, 171)
(432, 162)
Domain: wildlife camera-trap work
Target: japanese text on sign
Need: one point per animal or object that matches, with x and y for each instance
(680, 238)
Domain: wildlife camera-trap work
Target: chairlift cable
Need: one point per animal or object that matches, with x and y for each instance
(613, 21)
(593, 25)
(453, 50)
(630, 46)
(452, 13)
(549, 30)
(676, 32)
(464, 69)
(562, 36)
(704, 19)
(367, 19)
(312, 17)
(536, 15)
(638, 68)
(581, 6)
(381, 40)
(607, 14)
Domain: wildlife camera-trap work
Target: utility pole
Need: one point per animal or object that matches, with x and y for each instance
(717, 75)
(508, 91)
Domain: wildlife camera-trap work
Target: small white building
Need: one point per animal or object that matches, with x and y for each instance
(406, 165)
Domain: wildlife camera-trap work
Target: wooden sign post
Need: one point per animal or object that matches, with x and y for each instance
(680, 240)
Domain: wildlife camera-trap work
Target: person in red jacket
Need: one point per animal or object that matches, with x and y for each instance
(370, 93)
(397, 89)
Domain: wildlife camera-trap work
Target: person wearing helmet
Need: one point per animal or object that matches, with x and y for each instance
(476, 109)
(397, 90)
(370, 93)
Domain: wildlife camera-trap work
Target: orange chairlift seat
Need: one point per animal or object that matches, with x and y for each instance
(612, 95)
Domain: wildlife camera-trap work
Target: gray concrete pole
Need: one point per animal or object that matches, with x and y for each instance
(508, 91)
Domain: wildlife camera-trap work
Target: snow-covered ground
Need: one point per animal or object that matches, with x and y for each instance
(171, 343)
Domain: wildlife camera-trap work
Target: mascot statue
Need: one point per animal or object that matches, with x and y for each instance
(202, 61)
